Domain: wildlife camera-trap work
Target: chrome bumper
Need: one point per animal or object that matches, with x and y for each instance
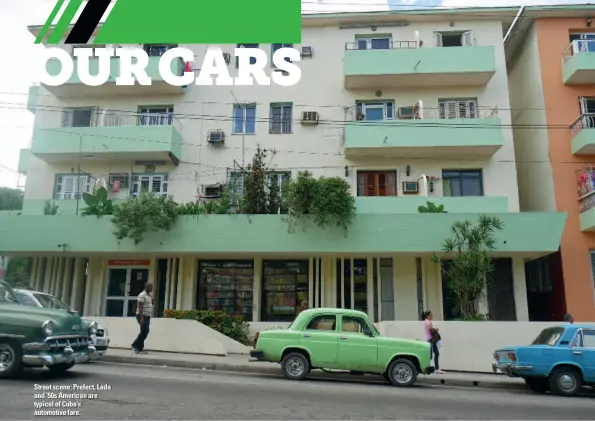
(511, 370)
(59, 350)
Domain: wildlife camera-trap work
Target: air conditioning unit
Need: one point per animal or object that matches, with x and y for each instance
(406, 113)
(310, 118)
(306, 52)
(212, 191)
(410, 187)
(227, 57)
(216, 137)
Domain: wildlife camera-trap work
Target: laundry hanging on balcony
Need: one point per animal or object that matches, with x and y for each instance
(187, 68)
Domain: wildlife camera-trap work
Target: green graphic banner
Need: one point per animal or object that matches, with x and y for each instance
(177, 22)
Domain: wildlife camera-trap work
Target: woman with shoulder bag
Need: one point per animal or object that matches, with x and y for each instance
(433, 337)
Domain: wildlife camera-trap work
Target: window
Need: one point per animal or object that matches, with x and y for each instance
(156, 116)
(355, 325)
(236, 186)
(459, 183)
(69, 187)
(352, 275)
(382, 110)
(79, 117)
(457, 108)
(281, 178)
(157, 50)
(588, 338)
(284, 288)
(25, 300)
(549, 336)
(281, 117)
(154, 183)
(275, 47)
(244, 119)
(379, 42)
(252, 59)
(454, 39)
(226, 286)
(49, 301)
(582, 43)
(323, 323)
(374, 183)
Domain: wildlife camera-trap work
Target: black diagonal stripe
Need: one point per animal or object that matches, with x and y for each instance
(87, 22)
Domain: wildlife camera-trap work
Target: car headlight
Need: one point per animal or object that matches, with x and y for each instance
(47, 328)
(92, 328)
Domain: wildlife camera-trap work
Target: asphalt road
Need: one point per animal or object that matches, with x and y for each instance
(163, 393)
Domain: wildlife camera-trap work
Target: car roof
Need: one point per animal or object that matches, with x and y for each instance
(333, 310)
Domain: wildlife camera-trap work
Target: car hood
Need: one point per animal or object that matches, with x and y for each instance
(64, 323)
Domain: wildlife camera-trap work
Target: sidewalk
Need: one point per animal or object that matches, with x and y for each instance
(241, 363)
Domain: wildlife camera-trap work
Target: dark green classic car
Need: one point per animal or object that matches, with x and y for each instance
(38, 337)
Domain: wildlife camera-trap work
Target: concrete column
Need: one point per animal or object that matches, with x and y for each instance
(482, 305)
(181, 283)
(33, 277)
(194, 277)
(520, 289)
(59, 285)
(39, 276)
(49, 269)
(167, 285)
(76, 298)
(257, 290)
(174, 282)
(311, 282)
(100, 290)
(67, 282)
(88, 306)
(405, 288)
(370, 288)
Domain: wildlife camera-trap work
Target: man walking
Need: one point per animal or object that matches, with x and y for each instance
(144, 311)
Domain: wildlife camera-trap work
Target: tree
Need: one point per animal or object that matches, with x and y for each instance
(18, 272)
(468, 274)
(11, 199)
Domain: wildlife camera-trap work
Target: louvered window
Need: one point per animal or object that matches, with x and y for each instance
(154, 183)
(449, 109)
(71, 187)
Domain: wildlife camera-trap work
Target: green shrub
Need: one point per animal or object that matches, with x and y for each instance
(231, 325)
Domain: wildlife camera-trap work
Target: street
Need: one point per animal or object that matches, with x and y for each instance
(143, 392)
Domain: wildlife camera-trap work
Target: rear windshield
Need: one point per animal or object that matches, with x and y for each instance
(549, 336)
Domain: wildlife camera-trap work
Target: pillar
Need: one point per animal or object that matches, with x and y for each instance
(59, 284)
(257, 290)
(180, 289)
(49, 268)
(67, 280)
(33, 277)
(76, 298)
(520, 289)
(39, 276)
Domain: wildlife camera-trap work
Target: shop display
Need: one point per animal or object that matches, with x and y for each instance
(285, 286)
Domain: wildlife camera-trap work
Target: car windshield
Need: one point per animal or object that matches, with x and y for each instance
(7, 294)
(549, 336)
(49, 301)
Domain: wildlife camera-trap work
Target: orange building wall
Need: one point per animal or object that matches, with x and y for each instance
(562, 108)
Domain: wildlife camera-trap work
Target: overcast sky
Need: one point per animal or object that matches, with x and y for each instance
(19, 72)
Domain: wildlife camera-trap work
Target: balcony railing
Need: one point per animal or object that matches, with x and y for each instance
(109, 118)
(446, 113)
(392, 45)
(585, 178)
(584, 121)
(577, 47)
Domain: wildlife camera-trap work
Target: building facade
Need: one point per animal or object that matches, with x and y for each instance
(552, 81)
(407, 107)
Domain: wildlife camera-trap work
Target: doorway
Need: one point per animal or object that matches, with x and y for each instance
(123, 287)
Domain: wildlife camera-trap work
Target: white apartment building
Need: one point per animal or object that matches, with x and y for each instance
(407, 106)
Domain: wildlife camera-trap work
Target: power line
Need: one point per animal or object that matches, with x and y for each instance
(392, 123)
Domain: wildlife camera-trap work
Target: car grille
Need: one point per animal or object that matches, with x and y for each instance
(77, 343)
(100, 333)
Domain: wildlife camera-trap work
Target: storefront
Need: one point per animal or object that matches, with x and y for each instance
(285, 285)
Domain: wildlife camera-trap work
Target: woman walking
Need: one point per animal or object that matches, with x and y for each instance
(433, 337)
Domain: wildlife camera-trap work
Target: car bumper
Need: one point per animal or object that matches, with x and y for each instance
(67, 356)
(428, 370)
(512, 370)
(257, 355)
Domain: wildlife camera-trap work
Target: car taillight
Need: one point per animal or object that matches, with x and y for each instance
(512, 356)
(255, 339)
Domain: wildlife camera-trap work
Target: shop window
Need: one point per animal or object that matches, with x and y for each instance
(226, 286)
(284, 287)
(358, 268)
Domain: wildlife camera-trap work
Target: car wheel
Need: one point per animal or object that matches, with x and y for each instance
(60, 368)
(11, 359)
(537, 385)
(295, 366)
(565, 381)
(402, 373)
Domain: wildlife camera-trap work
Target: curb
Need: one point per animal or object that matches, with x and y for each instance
(270, 369)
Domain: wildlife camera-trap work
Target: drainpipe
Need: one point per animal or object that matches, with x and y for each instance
(514, 24)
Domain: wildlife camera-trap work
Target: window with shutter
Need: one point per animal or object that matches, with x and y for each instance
(376, 183)
(457, 108)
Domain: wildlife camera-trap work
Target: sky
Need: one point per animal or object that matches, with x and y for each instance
(19, 52)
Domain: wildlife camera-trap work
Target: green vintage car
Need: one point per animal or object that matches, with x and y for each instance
(339, 339)
(38, 337)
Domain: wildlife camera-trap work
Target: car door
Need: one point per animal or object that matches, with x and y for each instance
(583, 352)
(358, 345)
(320, 338)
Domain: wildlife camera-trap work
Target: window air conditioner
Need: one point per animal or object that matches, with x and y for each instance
(216, 137)
(310, 118)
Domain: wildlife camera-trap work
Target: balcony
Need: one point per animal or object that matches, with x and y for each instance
(110, 137)
(74, 88)
(409, 204)
(213, 235)
(431, 134)
(578, 63)
(586, 197)
(583, 135)
(405, 64)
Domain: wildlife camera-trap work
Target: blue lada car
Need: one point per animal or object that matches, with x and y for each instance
(560, 360)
